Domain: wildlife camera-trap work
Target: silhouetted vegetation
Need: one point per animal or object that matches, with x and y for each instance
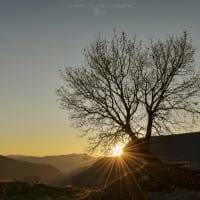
(126, 90)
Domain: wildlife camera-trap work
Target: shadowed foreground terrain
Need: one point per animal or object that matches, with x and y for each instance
(171, 173)
(10, 190)
(153, 181)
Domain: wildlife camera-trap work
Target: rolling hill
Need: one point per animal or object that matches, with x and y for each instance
(11, 169)
(65, 163)
(183, 147)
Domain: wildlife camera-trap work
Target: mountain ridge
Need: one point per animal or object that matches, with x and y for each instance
(65, 163)
(11, 169)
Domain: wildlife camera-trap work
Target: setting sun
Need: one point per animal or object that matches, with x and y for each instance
(118, 150)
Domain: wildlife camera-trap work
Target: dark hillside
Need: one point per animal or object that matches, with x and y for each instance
(180, 147)
(184, 147)
(11, 169)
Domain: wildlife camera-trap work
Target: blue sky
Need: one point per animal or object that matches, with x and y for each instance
(39, 37)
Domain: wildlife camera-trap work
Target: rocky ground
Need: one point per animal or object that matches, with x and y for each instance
(182, 182)
(155, 181)
(177, 194)
(16, 190)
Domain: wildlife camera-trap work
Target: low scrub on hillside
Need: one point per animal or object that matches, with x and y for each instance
(10, 190)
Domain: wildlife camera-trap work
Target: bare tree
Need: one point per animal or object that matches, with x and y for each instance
(171, 85)
(123, 89)
(103, 95)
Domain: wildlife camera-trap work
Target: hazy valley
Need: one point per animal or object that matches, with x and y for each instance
(65, 163)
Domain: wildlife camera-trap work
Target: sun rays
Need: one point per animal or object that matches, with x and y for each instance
(120, 172)
(116, 176)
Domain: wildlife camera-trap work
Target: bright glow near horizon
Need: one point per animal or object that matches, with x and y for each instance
(117, 150)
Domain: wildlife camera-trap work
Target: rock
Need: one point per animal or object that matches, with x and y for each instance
(144, 178)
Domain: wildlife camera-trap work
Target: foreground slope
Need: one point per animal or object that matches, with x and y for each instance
(154, 181)
(24, 191)
(19, 170)
(183, 147)
(136, 176)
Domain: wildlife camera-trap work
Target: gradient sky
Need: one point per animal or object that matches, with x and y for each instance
(39, 37)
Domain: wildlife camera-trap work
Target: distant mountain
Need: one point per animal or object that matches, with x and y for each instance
(65, 163)
(11, 169)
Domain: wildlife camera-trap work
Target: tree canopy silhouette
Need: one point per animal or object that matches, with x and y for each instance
(126, 90)
(171, 86)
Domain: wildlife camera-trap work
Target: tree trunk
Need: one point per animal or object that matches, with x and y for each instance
(147, 139)
(129, 131)
(136, 145)
(140, 147)
(149, 128)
